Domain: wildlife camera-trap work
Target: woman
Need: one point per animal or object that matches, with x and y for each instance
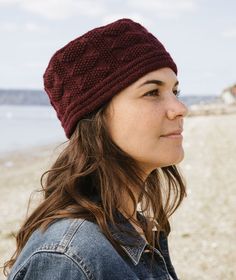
(108, 196)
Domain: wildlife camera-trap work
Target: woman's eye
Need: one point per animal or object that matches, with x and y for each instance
(155, 92)
(176, 92)
(152, 93)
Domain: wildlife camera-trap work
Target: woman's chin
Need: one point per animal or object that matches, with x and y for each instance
(179, 158)
(173, 160)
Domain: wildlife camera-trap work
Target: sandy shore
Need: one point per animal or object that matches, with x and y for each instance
(202, 242)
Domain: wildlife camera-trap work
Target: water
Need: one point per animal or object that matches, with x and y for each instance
(28, 126)
(199, 99)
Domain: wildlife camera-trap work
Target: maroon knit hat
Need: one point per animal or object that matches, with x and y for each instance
(88, 71)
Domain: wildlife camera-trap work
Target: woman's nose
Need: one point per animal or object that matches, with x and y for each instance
(177, 108)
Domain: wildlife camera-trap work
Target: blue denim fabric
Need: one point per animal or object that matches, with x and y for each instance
(77, 249)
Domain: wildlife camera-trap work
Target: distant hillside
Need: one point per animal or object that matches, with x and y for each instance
(39, 97)
(23, 97)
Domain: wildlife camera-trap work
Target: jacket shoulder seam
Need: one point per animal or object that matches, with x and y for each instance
(77, 261)
(68, 236)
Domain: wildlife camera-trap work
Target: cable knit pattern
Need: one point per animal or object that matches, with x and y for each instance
(88, 71)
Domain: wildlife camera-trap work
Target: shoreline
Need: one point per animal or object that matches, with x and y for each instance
(211, 109)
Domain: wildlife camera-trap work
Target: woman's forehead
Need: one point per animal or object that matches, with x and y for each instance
(165, 75)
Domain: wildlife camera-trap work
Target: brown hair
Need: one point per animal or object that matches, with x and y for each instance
(92, 165)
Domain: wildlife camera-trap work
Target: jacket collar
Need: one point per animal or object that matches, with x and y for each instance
(134, 252)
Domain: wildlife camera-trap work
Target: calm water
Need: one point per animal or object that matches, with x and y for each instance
(28, 126)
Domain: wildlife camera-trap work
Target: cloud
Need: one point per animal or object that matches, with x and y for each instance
(34, 65)
(208, 74)
(18, 27)
(134, 16)
(63, 9)
(31, 27)
(8, 2)
(60, 9)
(230, 33)
(165, 9)
(9, 26)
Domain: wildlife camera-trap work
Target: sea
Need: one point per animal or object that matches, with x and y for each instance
(27, 119)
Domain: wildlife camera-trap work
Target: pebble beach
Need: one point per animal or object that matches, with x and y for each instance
(202, 242)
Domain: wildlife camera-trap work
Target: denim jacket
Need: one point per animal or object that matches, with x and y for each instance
(77, 249)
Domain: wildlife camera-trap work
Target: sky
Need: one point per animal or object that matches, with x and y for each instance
(200, 35)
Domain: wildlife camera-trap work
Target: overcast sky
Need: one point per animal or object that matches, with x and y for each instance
(199, 34)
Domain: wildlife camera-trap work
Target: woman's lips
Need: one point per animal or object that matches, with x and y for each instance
(173, 136)
(176, 134)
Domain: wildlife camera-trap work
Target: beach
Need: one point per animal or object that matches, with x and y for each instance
(202, 242)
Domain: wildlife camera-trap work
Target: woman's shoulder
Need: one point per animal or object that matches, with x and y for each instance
(66, 235)
(78, 241)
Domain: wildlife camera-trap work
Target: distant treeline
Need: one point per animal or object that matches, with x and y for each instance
(23, 97)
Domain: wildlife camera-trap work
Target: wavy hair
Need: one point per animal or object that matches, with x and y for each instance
(87, 180)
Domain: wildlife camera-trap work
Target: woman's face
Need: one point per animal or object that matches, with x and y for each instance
(141, 114)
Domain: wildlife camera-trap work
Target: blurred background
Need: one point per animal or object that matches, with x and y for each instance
(201, 37)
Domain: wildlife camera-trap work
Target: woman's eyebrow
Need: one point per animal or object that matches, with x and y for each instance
(157, 82)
